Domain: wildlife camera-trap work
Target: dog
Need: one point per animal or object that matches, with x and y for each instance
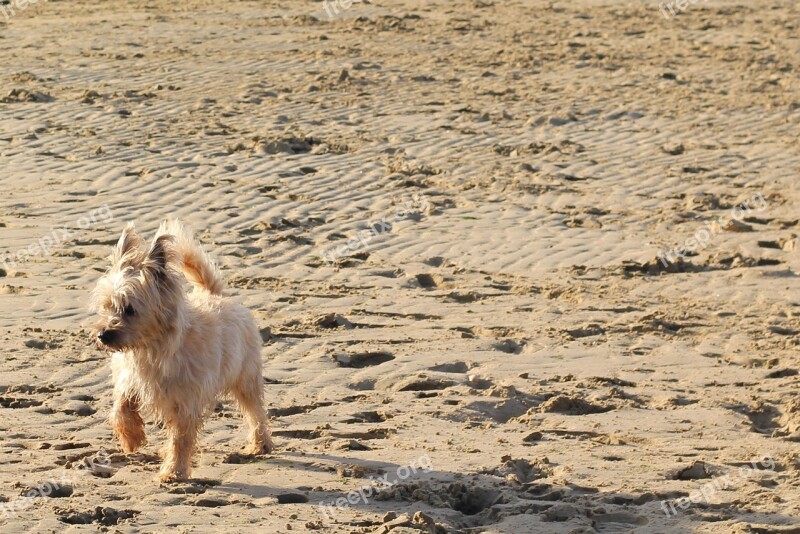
(173, 352)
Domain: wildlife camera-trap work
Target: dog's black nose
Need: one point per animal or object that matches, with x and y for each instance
(107, 336)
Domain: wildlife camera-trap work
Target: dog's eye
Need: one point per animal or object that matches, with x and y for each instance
(129, 311)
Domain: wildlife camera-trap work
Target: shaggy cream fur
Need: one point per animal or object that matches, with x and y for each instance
(174, 353)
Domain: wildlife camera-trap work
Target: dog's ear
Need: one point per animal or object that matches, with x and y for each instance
(159, 256)
(128, 242)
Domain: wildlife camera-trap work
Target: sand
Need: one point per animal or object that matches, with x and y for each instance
(446, 218)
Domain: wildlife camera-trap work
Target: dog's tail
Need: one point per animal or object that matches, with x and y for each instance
(196, 264)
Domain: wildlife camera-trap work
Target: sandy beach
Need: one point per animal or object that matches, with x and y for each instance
(519, 267)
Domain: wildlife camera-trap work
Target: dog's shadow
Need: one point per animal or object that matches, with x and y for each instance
(465, 501)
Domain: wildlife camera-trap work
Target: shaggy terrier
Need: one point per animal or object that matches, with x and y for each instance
(174, 353)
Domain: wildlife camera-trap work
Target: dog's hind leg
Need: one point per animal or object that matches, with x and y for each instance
(249, 393)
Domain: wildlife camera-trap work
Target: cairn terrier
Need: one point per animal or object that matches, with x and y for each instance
(174, 353)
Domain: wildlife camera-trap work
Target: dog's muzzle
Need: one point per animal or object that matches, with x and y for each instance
(107, 337)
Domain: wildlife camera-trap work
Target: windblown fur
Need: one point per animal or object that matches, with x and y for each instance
(174, 353)
(197, 266)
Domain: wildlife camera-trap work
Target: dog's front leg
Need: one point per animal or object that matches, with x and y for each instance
(127, 422)
(180, 448)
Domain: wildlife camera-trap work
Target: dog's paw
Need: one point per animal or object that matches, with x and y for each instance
(170, 475)
(131, 439)
(132, 443)
(256, 449)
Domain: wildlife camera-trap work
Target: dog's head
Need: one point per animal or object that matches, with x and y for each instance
(137, 299)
